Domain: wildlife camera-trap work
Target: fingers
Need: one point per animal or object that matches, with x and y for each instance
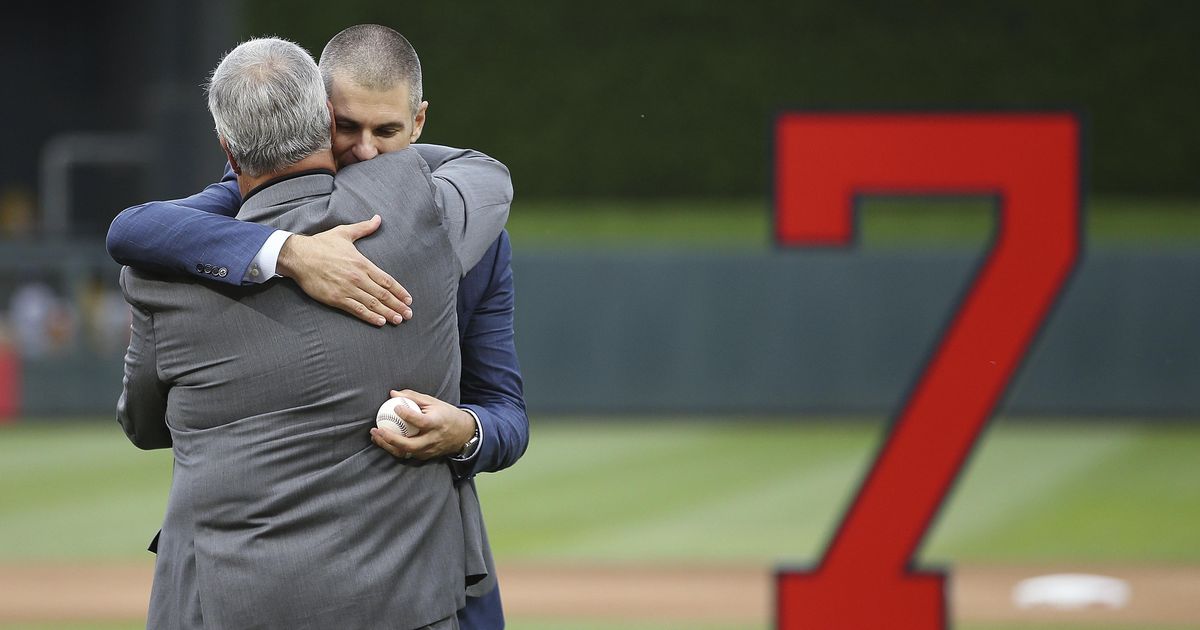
(387, 291)
(389, 285)
(423, 447)
(406, 413)
(415, 419)
(333, 272)
(378, 291)
(358, 230)
(370, 309)
(422, 400)
(388, 308)
(419, 447)
(360, 310)
(383, 439)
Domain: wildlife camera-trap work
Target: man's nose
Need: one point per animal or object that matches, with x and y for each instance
(365, 150)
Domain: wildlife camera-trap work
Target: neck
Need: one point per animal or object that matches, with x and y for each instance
(320, 159)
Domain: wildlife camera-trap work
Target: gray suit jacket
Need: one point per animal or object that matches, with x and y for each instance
(282, 513)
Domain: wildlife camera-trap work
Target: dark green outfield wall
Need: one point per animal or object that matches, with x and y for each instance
(674, 97)
(839, 332)
(790, 333)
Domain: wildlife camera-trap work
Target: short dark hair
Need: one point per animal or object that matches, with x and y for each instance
(374, 57)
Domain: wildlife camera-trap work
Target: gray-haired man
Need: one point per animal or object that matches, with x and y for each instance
(373, 78)
(281, 514)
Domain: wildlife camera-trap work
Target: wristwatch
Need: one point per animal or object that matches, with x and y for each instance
(468, 449)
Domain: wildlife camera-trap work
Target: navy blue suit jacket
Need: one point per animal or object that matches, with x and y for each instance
(183, 235)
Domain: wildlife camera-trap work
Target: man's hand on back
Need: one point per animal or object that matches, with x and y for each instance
(333, 272)
(442, 429)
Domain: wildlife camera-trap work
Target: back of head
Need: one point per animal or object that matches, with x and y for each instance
(375, 57)
(269, 105)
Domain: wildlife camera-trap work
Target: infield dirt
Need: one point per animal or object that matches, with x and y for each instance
(1167, 595)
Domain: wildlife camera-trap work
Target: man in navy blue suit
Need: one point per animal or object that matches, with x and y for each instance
(373, 80)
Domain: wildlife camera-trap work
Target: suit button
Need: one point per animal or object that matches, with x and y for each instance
(199, 268)
(208, 269)
(222, 272)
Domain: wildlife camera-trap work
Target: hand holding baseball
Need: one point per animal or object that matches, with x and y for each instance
(441, 428)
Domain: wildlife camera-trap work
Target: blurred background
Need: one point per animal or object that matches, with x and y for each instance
(703, 403)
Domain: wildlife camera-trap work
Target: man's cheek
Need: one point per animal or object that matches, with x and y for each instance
(395, 143)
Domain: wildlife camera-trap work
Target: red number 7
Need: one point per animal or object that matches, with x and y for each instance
(1030, 164)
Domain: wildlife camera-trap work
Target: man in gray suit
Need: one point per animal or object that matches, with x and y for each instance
(282, 514)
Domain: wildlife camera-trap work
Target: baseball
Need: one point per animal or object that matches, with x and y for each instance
(388, 419)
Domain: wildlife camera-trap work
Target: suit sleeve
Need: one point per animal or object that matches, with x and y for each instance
(474, 192)
(142, 407)
(491, 375)
(187, 236)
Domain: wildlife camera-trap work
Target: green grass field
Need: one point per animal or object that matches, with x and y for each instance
(741, 492)
(683, 492)
(686, 492)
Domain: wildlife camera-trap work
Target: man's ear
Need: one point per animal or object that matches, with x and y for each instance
(232, 162)
(419, 121)
(332, 120)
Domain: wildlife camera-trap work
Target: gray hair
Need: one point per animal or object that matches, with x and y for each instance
(375, 57)
(269, 105)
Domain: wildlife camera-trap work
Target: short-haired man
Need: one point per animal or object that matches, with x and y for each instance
(281, 515)
(373, 78)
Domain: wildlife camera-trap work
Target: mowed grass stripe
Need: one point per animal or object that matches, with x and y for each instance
(1012, 475)
(558, 496)
(38, 449)
(110, 525)
(62, 479)
(1140, 502)
(579, 446)
(71, 491)
(782, 517)
(682, 490)
(694, 464)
